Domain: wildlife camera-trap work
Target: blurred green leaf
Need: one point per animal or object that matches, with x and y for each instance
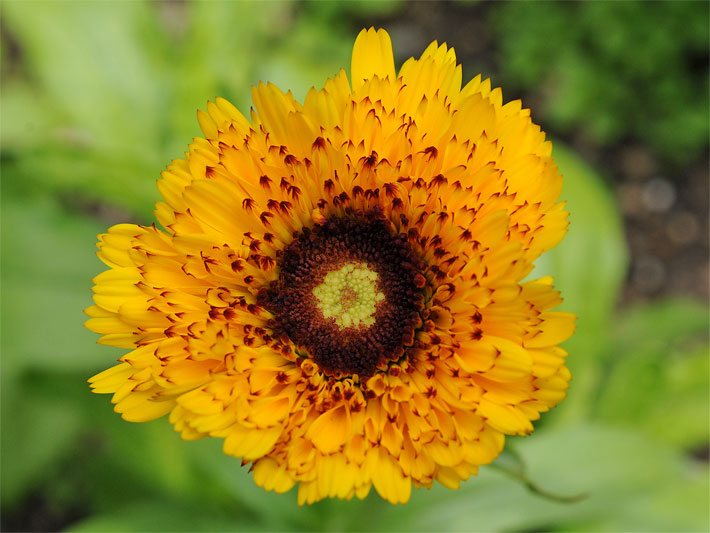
(346, 16)
(93, 176)
(48, 263)
(94, 457)
(657, 328)
(103, 77)
(27, 113)
(661, 347)
(674, 506)
(36, 432)
(589, 266)
(616, 465)
(166, 516)
(510, 463)
(94, 123)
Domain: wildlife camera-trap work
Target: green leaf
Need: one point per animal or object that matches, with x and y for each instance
(166, 516)
(656, 328)
(660, 373)
(665, 508)
(97, 124)
(36, 432)
(103, 77)
(27, 112)
(48, 263)
(510, 463)
(91, 176)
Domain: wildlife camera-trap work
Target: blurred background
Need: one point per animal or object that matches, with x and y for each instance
(98, 97)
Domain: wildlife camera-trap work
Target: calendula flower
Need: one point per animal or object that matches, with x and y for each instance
(339, 291)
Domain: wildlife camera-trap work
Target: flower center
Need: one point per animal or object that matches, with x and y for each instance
(349, 295)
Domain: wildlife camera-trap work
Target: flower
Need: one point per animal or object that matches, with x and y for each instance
(339, 290)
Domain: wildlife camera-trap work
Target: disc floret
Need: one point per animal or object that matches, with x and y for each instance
(349, 295)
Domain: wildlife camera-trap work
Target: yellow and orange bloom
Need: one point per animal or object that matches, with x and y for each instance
(339, 288)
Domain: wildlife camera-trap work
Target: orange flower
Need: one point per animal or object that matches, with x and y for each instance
(338, 288)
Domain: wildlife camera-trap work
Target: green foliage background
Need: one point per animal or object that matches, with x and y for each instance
(98, 97)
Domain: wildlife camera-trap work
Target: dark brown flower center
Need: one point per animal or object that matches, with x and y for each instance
(349, 293)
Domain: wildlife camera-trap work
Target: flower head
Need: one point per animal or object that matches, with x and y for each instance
(339, 288)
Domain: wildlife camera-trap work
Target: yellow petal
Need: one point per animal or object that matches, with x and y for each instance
(388, 478)
(111, 379)
(269, 410)
(505, 418)
(207, 124)
(435, 72)
(556, 328)
(148, 411)
(273, 107)
(250, 443)
(272, 476)
(330, 430)
(486, 448)
(512, 361)
(372, 56)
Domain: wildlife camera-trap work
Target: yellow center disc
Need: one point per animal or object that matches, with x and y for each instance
(349, 295)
